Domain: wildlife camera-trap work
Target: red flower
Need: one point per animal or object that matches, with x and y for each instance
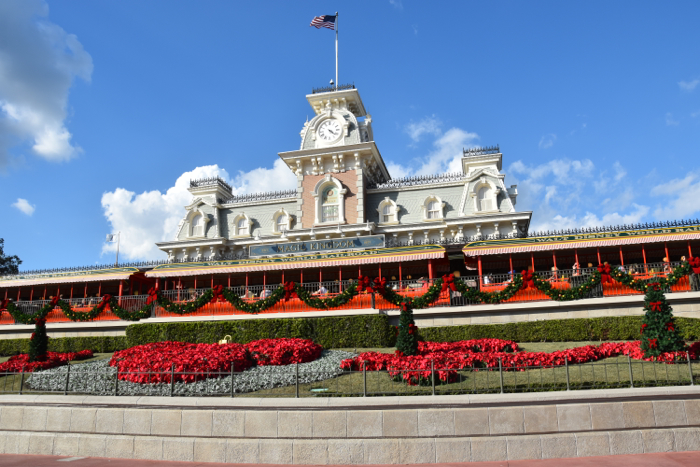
(21, 362)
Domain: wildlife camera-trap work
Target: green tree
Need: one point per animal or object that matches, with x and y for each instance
(407, 341)
(8, 264)
(39, 343)
(659, 333)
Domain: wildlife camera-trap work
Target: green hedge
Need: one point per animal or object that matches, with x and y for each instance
(557, 330)
(331, 332)
(102, 344)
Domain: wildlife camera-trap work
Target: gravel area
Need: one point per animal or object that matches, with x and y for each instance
(99, 378)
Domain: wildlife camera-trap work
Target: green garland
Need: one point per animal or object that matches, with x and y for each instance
(254, 307)
(573, 293)
(185, 308)
(20, 317)
(641, 284)
(474, 294)
(423, 301)
(325, 303)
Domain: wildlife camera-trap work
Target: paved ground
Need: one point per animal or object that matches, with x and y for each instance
(670, 459)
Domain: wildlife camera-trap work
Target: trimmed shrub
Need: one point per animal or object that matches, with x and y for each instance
(98, 344)
(557, 330)
(329, 332)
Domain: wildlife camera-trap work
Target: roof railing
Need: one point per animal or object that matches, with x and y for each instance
(479, 151)
(251, 197)
(210, 181)
(340, 87)
(416, 180)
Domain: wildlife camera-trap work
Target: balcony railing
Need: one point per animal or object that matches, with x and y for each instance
(560, 279)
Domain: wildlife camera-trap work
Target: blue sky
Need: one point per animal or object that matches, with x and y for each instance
(108, 108)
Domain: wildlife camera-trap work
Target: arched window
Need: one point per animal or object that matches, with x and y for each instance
(242, 226)
(485, 199)
(282, 222)
(434, 210)
(329, 204)
(198, 226)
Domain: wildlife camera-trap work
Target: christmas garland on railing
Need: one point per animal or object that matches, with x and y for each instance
(561, 295)
(640, 285)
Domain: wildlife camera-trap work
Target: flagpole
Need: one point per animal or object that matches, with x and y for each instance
(336, 49)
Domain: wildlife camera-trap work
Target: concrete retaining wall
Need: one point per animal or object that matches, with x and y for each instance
(390, 430)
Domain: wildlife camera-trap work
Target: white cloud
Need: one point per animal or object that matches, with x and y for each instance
(565, 194)
(398, 4)
(695, 114)
(152, 216)
(688, 85)
(38, 64)
(670, 120)
(547, 141)
(428, 125)
(681, 196)
(24, 206)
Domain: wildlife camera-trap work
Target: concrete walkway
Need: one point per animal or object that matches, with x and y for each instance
(665, 459)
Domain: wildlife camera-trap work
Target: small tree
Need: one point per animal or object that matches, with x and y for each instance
(39, 342)
(8, 264)
(407, 341)
(658, 331)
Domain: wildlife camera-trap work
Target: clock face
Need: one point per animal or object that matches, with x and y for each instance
(329, 130)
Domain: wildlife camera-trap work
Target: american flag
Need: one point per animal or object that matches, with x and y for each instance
(323, 22)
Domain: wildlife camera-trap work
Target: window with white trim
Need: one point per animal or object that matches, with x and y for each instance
(242, 226)
(387, 213)
(282, 222)
(329, 204)
(485, 199)
(198, 226)
(434, 210)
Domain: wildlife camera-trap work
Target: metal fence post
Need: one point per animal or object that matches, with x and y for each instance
(432, 375)
(566, 365)
(690, 368)
(364, 379)
(172, 379)
(629, 364)
(500, 372)
(116, 382)
(65, 389)
(21, 381)
(232, 372)
(373, 301)
(296, 378)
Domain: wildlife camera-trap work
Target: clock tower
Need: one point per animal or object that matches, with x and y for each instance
(336, 161)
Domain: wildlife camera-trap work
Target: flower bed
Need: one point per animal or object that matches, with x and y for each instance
(447, 358)
(153, 363)
(21, 362)
(283, 351)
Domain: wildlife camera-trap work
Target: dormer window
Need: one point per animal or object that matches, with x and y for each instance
(197, 223)
(433, 208)
(281, 222)
(485, 199)
(485, 193)
(388, 210)
(241, 226)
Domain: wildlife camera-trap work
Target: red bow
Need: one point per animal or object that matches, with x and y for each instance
(404, 306)
(3, 305)
(641, 331)
(379, 285)
(448, 281)
(695, 264)
(54, 301)
(652, 343)
(527, 280)
(152, 295)
(604, 270)
(363, 283)
(217, 294)
(105, 301)
(670, 327)
(40, 322)
(411, 328)
(655, 306)
(289, 291)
